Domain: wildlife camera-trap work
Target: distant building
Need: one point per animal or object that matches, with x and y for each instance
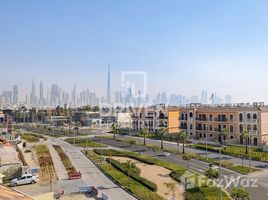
(228, 99)
(15, 95)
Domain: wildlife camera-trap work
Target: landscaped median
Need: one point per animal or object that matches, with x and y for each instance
(83, 142)
(45, 162)
(31, 137)
(65, 160)
(118, 173)
(236, 151)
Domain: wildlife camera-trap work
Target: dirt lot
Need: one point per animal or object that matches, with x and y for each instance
(158, 175)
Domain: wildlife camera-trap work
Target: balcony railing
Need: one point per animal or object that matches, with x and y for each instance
(221, 119)
(251, 120)
(201, 118)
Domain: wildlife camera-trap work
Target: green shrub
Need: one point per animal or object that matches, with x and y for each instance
(212, 174)
(122, 167)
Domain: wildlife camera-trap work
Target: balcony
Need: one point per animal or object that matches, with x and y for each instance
(253, 121)
(201, 119)
(220, 119)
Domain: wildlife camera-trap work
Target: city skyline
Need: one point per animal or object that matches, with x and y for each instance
(183, 47)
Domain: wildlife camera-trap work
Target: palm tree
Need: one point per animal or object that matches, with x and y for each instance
(171, 186)
(143, 133)
(162, 132)
(183, 136)
(246, 136)
(114, 128)
(131, 167)
(225, 133)
(239, 194)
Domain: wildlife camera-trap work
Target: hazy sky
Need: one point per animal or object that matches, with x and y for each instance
(184, 46)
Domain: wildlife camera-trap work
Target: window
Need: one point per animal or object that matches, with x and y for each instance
(231, 128)
(210, 127)
(248, 116)
(248, 127)
(255, 128)
(210, 135)
(241, 128)
(231, 118)
(255, 141)
(191, 126)
(231, 137)
(254, 116)
(210, 117)
(240, 117)
(191, 114)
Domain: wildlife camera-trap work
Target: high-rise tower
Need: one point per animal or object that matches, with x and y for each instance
(15, 94)
(108, 98)
(41, 94)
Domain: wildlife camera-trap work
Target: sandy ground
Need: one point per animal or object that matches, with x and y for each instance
(158, 175)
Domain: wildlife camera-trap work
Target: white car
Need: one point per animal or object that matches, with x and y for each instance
(164, 154)
(25, 179)
(213, 167)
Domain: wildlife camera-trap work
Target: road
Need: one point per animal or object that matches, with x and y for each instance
(91, 175)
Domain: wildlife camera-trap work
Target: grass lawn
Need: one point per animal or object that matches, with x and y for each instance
(81, 142)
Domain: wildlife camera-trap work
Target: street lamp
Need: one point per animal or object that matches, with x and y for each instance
(220, 171)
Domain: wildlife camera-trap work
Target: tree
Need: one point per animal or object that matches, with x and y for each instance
(143, 133)
(212, 173)
(115, 129)
(187, 157)
(246, 136)
(131, 167)
(239, 194)
(171, 186)
(162, 132)
(225, 133)
(183, 136)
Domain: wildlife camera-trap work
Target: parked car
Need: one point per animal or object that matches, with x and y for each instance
(164, 154)
(25, 179)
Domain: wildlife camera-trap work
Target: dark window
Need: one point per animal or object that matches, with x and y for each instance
(231, 117)
(255, 141)
(231, 128)
(248, 116)
(255, 128)
(240, 117)
(241, 128)
(191, 114)
(231, 137)
(254, 116)
(210, 135)
(211, 117)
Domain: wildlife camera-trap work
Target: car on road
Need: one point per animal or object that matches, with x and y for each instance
(213, 167)
(25, 179)
(164, 154)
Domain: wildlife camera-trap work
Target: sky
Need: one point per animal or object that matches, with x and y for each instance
(183, 46)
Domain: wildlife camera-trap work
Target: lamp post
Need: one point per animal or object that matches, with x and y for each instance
(220, 171)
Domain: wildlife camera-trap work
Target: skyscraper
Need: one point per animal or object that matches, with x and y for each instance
(74, 97)
(108, 97)
(32, 95)
(41, 94)
(15, 94)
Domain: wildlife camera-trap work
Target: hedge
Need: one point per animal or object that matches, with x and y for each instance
(122, 167)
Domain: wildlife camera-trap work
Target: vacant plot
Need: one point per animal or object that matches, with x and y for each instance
(158, 175)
